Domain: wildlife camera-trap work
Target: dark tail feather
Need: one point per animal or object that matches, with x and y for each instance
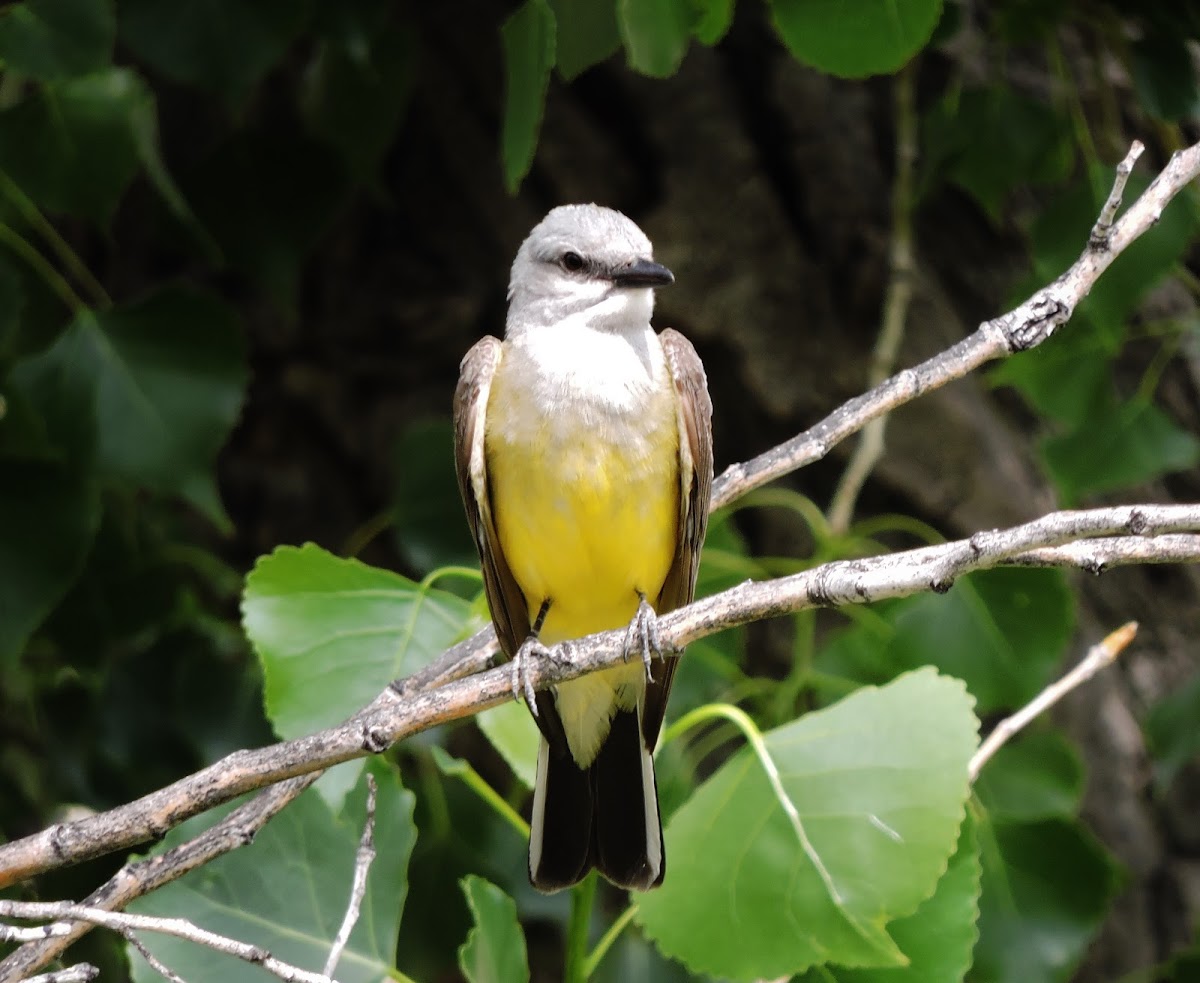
(560, 829)
(627, 831)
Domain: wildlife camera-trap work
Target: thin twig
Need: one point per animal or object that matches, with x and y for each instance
(34, 933)
(154, 962)
(1099, 657)
(1022, 328)
(870, 445)
(1100, 231)
(141, 877)
(123, 922)
(362, 864)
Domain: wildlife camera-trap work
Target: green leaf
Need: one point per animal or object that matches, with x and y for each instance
(287, 891)
(939, 937)
(1171, 731)
(48, 517)
(586, 32)
(74, 145)
(967, 141)
(1037, 776)
(715, 18)
(1117, 447)
(495, 949)
(222, 45)
(54, 39)
(356, 93)
(1002, 631)
(656, 34)
(857, 38)
(332, 633)
(430, 528)
(1165, 77)
(511, 730)
(875, 787)
(529, 46)
(153, 388)
(1047, 887)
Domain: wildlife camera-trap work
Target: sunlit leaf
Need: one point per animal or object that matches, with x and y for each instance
(495, 950)
(332, 633)
(875, 789)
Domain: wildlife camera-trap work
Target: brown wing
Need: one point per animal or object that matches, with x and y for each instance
(694, 416)
(510, 613)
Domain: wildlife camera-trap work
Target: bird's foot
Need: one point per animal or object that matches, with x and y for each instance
(642, 636)
(532, 649)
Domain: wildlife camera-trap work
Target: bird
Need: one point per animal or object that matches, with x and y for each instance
(583, 449)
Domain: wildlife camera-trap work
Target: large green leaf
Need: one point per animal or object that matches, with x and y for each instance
(52, 39)
(287, 891)
(939, 937)
(656, 34)
(74, 145)
(586, 32)
(1002, 631)
(855, 38)
(1046, 889)
(48, 516)
(511, 730)
(874, 791)
(223, 45)
(1116, 447)
(495, 950)
(1038, 776)
(529, 46)
(332, 633)
(152, 390)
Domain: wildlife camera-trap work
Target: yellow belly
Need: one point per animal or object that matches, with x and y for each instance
(587, 528)
(586, 505)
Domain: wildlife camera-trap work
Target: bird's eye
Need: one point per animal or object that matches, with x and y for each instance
(572, 262)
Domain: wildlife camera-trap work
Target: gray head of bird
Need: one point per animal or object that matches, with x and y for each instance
(586, 265)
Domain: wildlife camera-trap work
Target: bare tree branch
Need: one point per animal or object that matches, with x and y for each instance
(143, 876)
(1091, 540)
(393, 716)
(124, 923)
(79, 973)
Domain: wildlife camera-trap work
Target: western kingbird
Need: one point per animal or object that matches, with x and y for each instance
(584, 456)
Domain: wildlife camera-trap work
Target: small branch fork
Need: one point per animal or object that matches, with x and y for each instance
(64, 918)
(454, 687)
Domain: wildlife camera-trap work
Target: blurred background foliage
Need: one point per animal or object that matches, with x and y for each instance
(242, 247)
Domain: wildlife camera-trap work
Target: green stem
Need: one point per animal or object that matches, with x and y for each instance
(54, 280)
(61, 248)
(474, 781)
(583, 895)
(607, 940)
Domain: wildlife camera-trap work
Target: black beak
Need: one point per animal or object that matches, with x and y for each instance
(643, 273)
